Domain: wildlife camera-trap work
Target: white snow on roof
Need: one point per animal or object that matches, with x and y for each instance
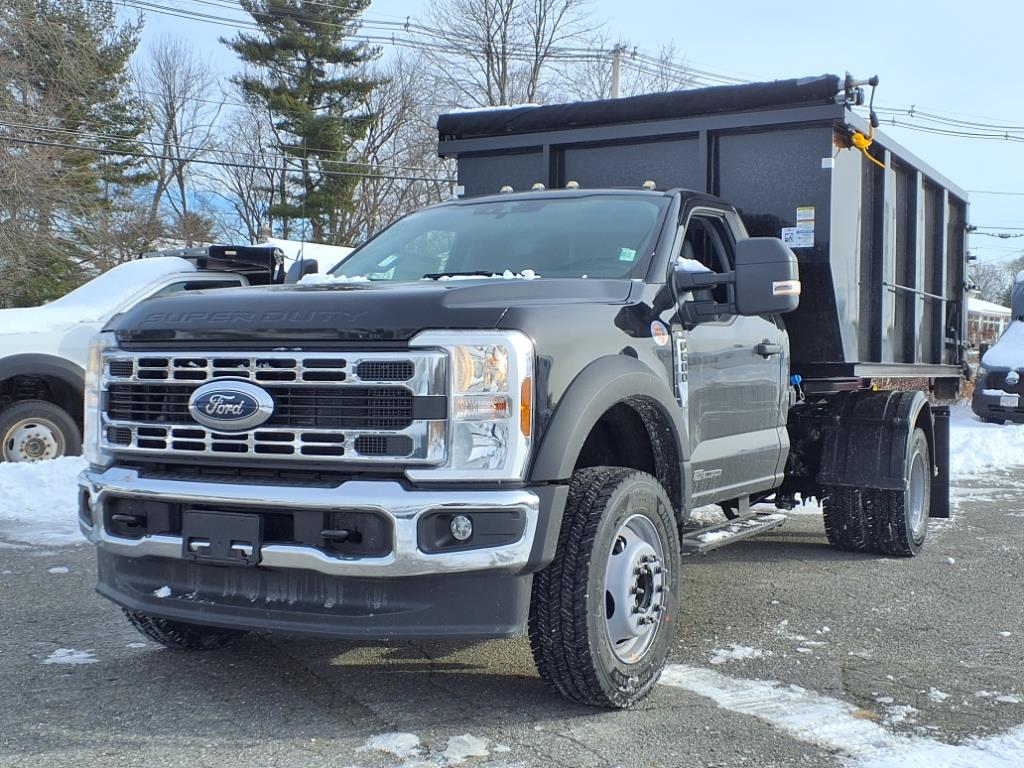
(97, 299)
(327, 256)
(498, 108)
(1008, 351)
(980, 305)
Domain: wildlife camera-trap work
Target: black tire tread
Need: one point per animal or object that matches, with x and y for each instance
(846, 523)
(180, 635)
(557, 622)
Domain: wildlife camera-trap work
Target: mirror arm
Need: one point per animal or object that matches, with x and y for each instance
(688, 281)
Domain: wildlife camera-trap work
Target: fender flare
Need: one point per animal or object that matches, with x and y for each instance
(866, 444)
(40, 365)
(599, 386)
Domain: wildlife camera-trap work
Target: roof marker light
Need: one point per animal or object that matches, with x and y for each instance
(649, 185)
(573, 185)
(538, 186)
(505, 189)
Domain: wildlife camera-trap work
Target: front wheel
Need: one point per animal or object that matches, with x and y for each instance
(602, 614)
(181, 635)
(35, 430)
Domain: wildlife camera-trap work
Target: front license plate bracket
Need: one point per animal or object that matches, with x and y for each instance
(227, 538)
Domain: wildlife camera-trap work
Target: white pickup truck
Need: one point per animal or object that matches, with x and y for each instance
(43, 349)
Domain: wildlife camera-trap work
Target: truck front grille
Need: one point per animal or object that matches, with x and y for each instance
(373, 407)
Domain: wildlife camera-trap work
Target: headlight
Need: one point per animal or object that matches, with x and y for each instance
(490, 384)
(101, 343)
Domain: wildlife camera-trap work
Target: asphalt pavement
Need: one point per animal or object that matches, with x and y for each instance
(928, 648)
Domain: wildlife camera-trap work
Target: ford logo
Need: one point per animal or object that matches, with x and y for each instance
(230, 406)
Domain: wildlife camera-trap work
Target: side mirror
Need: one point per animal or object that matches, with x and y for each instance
(300, 269)
(767, 277)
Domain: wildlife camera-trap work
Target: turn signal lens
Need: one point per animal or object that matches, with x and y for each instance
(526, 407)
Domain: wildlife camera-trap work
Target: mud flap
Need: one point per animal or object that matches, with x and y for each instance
(940, 449)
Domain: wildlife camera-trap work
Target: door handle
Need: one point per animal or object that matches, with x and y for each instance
(766, 349)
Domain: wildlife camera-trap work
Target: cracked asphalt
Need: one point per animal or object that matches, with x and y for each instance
(878, 633)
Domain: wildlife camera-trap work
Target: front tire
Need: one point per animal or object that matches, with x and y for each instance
(602, 614)
(35, 430)
(181, 635)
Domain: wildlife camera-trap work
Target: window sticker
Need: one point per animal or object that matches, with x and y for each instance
(627, 254)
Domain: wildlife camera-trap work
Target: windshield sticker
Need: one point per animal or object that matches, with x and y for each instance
(627, 254)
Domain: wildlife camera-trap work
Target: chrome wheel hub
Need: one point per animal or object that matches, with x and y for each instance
(32, 440)
(635, 588)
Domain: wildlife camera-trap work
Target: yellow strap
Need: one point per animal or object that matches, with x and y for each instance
(862, 142)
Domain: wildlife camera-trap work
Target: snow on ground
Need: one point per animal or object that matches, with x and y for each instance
(837, 725)
(39, 502)
(70, 656)
(408, 747)
(976, 447)
(735, 653)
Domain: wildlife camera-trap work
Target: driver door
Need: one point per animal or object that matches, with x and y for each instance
(736, 417)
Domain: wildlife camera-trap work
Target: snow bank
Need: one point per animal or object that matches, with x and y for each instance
(977, 447)
(39, 502)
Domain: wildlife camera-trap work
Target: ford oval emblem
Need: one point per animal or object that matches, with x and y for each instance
(230, 406)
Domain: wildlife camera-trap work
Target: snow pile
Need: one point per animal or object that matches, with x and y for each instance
(70, 656)
(838, 726)
(461, 748)
(39, 502)
(975, 446)
(400, 745)
(735, 653)
(332, 279)
(508, 274)
(1008, 351)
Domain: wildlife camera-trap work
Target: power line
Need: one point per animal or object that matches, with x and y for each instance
(225, 163)
(994, 192)
(189, 148)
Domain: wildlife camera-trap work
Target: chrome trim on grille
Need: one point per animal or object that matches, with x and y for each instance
(419, 372)
(402, 506)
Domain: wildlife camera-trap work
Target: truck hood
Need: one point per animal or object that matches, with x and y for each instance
(350, 311)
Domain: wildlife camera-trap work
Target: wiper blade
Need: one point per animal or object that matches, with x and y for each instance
(474, 273)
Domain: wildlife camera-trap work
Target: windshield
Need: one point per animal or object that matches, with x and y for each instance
(596, 236)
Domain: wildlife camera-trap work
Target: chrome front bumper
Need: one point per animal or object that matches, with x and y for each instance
(402, 506)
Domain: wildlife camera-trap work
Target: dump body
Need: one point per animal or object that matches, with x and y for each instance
(881, 249)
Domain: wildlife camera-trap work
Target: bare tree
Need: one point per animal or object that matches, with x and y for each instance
(590, 77)
(251, 175)
(400, 149)
(184, 101)
(497, 52)
(993, 281)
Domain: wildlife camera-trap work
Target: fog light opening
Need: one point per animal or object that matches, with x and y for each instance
(461, 528)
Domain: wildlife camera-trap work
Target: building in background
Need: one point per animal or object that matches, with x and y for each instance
(985, 321)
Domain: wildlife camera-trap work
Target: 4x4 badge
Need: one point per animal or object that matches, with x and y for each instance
(230, 406)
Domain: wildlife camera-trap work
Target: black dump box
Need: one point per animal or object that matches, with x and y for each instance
(881, 245)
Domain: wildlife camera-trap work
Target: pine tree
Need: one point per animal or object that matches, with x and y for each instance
(313, 82)
(68, 134)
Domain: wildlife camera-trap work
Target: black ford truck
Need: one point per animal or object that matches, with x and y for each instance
(497, 415)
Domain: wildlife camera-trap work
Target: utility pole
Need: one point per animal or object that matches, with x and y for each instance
(617, 52)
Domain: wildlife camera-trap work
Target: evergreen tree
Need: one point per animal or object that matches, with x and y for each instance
(68, 130)
(314, 84)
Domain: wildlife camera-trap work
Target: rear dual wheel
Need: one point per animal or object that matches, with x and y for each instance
(602, 615)
(889, 522)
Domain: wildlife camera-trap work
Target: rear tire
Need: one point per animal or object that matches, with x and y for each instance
(181, 635)
(884, 521)
(846, 525)
(602, 614)
(899, 519)
(35, 430)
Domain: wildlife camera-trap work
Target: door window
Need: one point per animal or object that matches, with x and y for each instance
(708, 242)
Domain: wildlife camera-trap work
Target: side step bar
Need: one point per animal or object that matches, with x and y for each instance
(704, 540)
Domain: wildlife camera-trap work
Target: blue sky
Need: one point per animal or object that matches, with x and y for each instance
(946, 57)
